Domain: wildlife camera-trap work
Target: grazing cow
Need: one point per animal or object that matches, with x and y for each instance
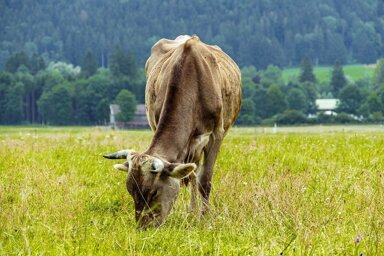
(193, 96)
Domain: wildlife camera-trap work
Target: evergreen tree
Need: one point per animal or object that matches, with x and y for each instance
(306, 73)
(116, 59)
(89, 65)
(127, 102)
(338, 80)
(310, 90)
(128, 66)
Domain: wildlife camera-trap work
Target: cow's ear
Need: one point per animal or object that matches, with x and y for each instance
(122, 167)
(180, 171)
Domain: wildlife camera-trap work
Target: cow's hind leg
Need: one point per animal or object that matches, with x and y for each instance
(206, 172)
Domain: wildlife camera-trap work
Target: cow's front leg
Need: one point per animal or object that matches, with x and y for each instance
(205, 190)
(193, 204)
(206, 172)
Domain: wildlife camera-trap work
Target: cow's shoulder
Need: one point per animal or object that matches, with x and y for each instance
(165, 45)
(161, 48)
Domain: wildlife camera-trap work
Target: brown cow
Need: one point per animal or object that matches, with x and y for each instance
(193, 96)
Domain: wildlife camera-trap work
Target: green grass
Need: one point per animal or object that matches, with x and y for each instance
(323, 74)
(300, 193)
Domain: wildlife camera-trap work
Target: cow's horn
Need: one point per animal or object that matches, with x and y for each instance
(157, 165)
(122, 154)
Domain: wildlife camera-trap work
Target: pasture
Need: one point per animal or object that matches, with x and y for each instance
(307, 191)
(324, 73)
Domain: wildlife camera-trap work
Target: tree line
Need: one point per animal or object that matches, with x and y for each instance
(63, 94)
(269, 99)
(256, 33)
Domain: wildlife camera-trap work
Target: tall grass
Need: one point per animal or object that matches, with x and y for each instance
(285, 193)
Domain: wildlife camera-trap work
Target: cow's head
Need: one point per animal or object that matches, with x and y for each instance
(153, 183)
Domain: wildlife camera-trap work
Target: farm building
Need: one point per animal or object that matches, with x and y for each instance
(139, 120)
(327, 106)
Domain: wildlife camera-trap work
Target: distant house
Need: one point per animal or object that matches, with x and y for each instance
(139, 120)
(327, 106)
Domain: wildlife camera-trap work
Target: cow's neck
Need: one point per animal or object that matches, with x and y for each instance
(176, 123)
(173, 132)
(170, 144)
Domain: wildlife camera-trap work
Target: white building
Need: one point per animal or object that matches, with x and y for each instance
(327, 106)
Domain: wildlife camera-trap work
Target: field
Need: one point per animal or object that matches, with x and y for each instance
(304, 191)
(323, 74)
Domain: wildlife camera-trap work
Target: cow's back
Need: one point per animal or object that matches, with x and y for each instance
(225, 89)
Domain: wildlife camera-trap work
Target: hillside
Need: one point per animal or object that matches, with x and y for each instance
(253, 32)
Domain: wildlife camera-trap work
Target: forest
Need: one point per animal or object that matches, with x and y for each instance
(257, 33)
(63, 64)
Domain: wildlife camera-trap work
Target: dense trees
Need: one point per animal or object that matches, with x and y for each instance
(10, 99)
(62, 94)
(268, 99)
(255, 33)
(297, 100)
(351, 99)
(56, 106)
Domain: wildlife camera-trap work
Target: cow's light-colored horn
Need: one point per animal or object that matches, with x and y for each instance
(157, 165)
(122, 154)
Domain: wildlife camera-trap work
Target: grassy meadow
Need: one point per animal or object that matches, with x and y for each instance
(304, 191)
(324, 73)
